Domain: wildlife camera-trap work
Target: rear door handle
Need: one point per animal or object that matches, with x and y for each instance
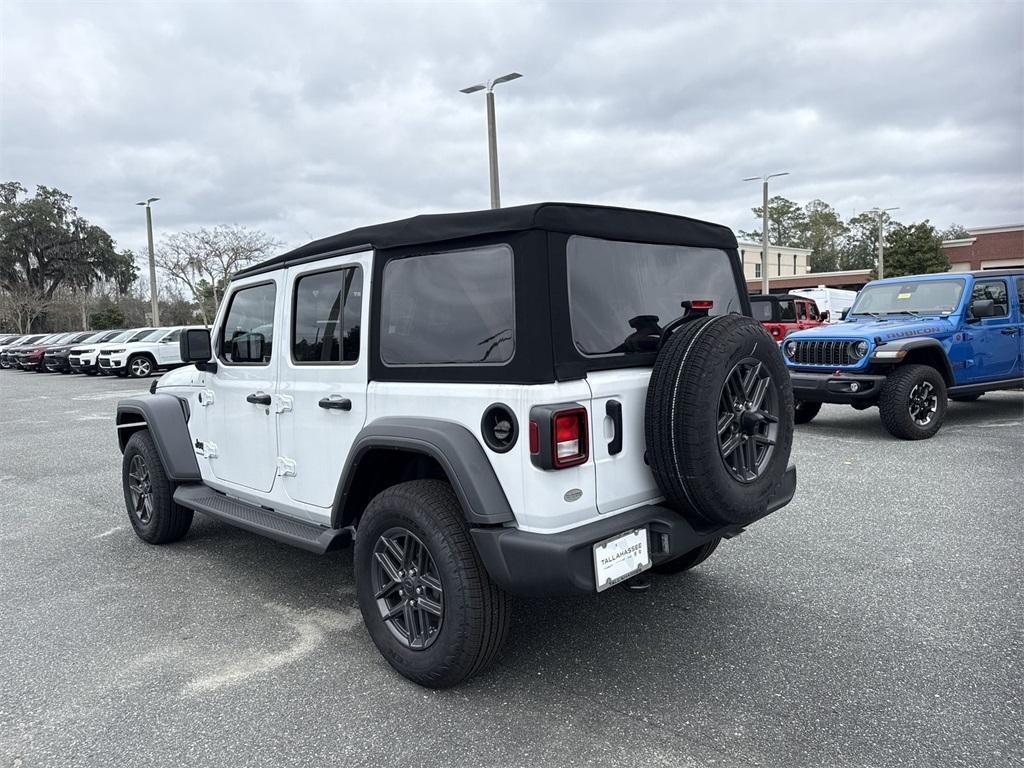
(1009, 331)
(613, 408)
(258, 398)
(336, 403)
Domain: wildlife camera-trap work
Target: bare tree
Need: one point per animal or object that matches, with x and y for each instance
(204, 260)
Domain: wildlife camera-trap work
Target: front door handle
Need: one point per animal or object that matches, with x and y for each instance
(336, 403)
(258, 398)
(1009, 331)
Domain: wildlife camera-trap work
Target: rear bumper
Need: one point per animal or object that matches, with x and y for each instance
(537, 564)
(835, 388)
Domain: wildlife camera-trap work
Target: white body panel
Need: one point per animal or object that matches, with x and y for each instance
(289, 456)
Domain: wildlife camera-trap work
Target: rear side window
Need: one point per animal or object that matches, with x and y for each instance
(621, 294)
(248, 330)
(1020, 294)
(454, 308)
(326, 317)
(761, 310)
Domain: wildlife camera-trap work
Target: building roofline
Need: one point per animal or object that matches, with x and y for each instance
(959, 243)
(996, 229)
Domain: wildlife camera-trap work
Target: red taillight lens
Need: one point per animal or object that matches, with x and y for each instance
(702, 303)
(569, 434)
(534, 438)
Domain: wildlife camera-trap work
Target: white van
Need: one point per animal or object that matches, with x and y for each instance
(831, 300)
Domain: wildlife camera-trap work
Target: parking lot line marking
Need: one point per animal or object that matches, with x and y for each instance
(112, 531)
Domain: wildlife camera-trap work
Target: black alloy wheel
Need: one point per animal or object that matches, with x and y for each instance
(748, 418)
(924, 403)
(140, 486)
(407, 588)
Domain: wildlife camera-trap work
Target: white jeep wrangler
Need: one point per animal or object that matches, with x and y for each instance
(548, 399)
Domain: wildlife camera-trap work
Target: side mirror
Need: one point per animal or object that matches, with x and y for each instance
(825, 316)
(247, 348)
(982, 308)
(194, 347)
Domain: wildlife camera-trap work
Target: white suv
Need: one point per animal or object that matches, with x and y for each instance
(139, 358)
(541, 400)
(85, 358)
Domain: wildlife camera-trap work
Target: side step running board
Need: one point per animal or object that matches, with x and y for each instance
(298, 533)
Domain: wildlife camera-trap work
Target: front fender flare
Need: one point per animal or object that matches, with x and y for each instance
(453, 446)
(164, 417)
(932, 345)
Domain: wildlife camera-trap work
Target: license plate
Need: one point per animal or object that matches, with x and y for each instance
(620, 557)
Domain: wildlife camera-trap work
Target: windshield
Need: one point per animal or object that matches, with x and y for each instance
(622, 294)
(95, 337)
(137, 335)
(153, 336)
(913, 297)
(123, 336)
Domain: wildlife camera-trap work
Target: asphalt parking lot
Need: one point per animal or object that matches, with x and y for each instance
(876, 621)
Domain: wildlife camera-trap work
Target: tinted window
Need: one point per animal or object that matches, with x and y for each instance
(446, 308)
(327, 316)
(801, 310)
(994, 290)
(250, 319)
(761, 310)
(787, 311)
(1020, 294)
(621, 294)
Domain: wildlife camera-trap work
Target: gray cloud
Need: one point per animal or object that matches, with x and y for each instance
(306, 119)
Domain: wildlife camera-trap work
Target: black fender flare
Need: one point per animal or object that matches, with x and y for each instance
(164, 417)
(906, 346)
(452, 445)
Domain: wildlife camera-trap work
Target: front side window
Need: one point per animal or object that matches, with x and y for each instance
(911, 297)
(996, 291)
(622, 294)
(1020, 293)
(247, 336)
(172, 336)
(812, 310)
(801, 310)
(454, 308)
(326, 319)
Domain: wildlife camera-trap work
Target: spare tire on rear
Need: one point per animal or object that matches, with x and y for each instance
(719, 420)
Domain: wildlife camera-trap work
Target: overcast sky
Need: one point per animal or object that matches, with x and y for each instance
(309, 119)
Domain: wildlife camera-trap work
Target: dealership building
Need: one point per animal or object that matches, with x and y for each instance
(788, 268)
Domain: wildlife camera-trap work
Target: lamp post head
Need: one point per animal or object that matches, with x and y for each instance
(489, 85)
(147, 202)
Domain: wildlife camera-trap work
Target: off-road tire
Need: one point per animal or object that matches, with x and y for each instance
(165, 521)
(894, 402)
(691, 559)
(475, 612)
(805, 412)
(964, 398)
(681, 420)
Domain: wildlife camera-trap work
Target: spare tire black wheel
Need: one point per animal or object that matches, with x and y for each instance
(719, 420)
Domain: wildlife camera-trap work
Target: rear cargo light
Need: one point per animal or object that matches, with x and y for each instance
(701, 303)
(559, 437)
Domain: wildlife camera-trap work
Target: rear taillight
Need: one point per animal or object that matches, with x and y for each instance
(559, 436)
(570, 438)
(705, 304)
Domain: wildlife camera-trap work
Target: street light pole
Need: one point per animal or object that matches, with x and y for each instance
(764, 226)
(881, 238)
(492, 133)
(154, 303)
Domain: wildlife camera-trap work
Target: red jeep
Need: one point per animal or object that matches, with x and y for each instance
(784, 313)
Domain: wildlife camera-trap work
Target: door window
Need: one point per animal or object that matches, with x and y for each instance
(801, 310)
(1020, 294)
(994, 290)
(247, 336)
(326, 317)
(813, 312)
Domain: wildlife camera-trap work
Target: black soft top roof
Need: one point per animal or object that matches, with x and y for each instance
(570, 218)
(779, 297)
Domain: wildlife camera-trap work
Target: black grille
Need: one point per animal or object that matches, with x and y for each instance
(825, 353)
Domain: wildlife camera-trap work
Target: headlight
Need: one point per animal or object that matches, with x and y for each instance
(113, 351)
(859, 349)
(789, 348)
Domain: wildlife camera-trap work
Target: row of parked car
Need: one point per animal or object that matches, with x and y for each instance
(136, 352)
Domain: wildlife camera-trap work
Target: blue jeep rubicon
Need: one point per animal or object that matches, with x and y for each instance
(908, 343)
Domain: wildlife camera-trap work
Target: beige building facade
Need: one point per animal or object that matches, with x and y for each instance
(783, 261)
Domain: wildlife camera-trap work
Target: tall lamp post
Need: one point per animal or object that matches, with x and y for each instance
(152, 261)
(764, 226)
(492, 138)
(881, 237)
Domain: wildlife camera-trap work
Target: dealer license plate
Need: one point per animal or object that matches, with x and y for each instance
(620, 557)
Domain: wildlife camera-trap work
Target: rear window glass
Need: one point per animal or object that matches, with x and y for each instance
(454, 308)
(621, 294)
(327, 310)
(761, 310)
